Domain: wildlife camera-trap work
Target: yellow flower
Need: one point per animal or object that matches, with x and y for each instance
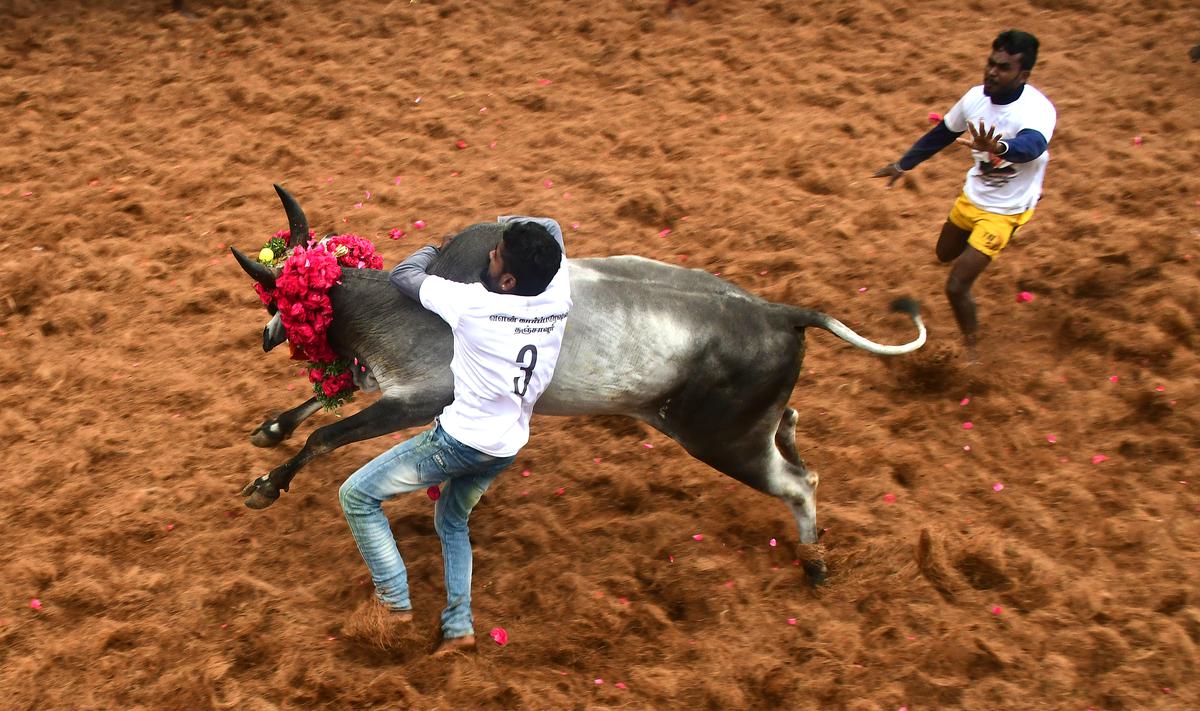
(266, 256)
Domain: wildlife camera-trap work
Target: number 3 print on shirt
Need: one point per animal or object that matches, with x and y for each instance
(520, 388)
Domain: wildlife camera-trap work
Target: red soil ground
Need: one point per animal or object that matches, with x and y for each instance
(137, 145)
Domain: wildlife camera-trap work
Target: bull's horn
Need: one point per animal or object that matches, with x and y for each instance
(258, 271)
(297, 222)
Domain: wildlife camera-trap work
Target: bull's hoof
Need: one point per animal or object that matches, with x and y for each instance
(260, 493)
(816, 571)
(268, 434)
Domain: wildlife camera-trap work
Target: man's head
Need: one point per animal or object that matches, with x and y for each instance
(1013, 55)
(524, 261)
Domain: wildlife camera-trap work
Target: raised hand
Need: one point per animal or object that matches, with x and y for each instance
(983, 138)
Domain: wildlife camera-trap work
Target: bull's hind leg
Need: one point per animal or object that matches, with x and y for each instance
(278, 428)
(785, 436)
(756, 459)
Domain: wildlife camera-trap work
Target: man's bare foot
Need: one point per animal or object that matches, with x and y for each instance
(454, 645)
(377, 625)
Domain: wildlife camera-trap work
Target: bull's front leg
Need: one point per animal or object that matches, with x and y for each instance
(388, 414)
(278, 428)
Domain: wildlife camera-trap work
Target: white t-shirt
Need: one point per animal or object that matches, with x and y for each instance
(994, 184)
(505, 350)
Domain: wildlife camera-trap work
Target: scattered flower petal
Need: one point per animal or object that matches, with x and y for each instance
(968, 425)
(966, 448)
(598, 681)
(547, 183)
(526, 472)
(545, 82)
(1159, 388)
(862, 289)
(1051, 438)
(396, 180)
(500, 635)
(664, 232)
(396, 233)
(560, 491)
(670, 558)
(460, 144)
(620, 685)
(419, 224)
(889, 498)
(698, 537)
(728, 583)
(1024, 297)
(170, 527)
(1096, 459)
(1113, 378)
(434, 493)
(773, 542)
(996, 610)
(998, 486)
(1137, 140)
(934, 117)
(965, 401)
(791, 620)
(647, 445)
(574, 225)
(595, 460)
(35, 604)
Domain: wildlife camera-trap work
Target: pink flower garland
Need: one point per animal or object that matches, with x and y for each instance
(301, 297)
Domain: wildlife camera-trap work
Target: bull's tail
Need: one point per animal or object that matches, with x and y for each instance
(803, 318)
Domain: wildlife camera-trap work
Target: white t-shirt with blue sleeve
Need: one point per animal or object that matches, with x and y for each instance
(505, 349)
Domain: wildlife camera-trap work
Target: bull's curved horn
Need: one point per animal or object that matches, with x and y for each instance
(297, 222)
(261, 273)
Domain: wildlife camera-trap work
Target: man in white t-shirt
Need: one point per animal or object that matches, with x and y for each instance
(1010, 124)
(507, 334)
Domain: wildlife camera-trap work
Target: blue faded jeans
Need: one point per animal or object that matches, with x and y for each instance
(431, 458)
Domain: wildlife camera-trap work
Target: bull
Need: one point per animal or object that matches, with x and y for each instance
(706, 363)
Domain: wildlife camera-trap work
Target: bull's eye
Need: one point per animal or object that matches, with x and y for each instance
(272, 308)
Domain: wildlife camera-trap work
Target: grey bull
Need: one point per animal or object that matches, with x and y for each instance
(697, 358)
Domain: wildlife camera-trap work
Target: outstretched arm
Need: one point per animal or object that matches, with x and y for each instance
(926, 146)
(409, 274)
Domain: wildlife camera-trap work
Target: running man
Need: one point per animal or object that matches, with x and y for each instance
(1009, 124)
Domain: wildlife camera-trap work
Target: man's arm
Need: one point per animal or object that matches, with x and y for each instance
(926, 146)
(1027, 145)
(410, 274)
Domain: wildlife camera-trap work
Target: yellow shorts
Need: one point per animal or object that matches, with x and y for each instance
(989, 232)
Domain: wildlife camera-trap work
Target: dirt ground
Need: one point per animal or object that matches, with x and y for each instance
(1045, 558)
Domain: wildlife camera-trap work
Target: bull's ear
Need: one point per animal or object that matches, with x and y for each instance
(297, 222)
(259, 272)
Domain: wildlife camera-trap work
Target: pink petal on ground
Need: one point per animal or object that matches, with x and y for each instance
(647, 445)
(998, 486)
(698, 537)
(595, 460)
(419, 224)
(1113, 378)
(670, 558)
(1024, 297)
(560, 491)
(1051, 438)
(773, 542)
(1137, 140)
(460, 144)
(997, 610)
(863, 289)
(1096, 459)
(396, 180)
(433, 493)
(934, 117)
(500, 635)
(1159, 388)
(968, 425)
(526, 472)
(170, 527)
(397, 233)
(620, 685)
(368, 197)
(623, 600)
(791, 620)
(545, 82)
(728, 583)
(889, 498)
(492, 145)
(358, 205)
(598, 681)
(35, 604)
(664, 232)
(965, 401)
(547, 184)
(966, 448)
(574, 225)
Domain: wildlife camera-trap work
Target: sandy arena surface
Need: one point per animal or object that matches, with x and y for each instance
(1046, 558)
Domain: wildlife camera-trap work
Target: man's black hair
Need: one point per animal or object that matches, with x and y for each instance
(531, 255)
(1018, 42)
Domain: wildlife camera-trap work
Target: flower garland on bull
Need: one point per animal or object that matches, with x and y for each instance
(301, 297)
